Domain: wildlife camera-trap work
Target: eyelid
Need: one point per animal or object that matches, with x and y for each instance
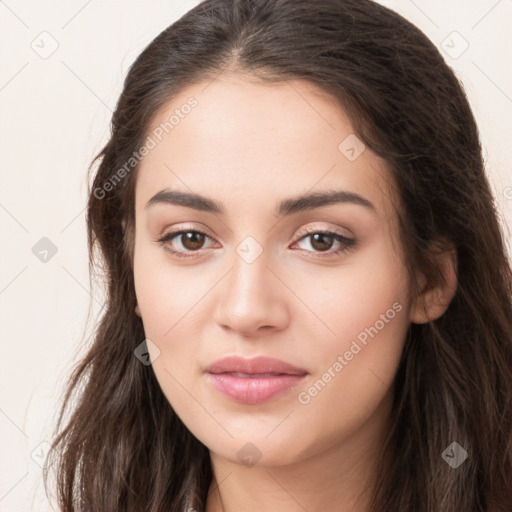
(317, 229)
(179, 230)
(301, 234)
(175, 230)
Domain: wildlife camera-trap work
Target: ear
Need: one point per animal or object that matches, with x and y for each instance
(433, 301)
(137, 310)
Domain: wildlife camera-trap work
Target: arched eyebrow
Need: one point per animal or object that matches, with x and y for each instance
(289, 206)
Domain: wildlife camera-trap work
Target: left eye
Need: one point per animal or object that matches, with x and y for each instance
(322, 241)
(192, 240)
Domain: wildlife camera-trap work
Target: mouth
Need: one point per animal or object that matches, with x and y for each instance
(253, 381)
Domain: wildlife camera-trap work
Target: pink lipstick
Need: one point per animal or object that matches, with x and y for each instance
(253, 381)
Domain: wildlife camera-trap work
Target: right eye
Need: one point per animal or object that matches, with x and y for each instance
(192, 242)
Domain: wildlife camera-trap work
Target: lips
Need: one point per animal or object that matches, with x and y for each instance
(253, 381)
(256, 366)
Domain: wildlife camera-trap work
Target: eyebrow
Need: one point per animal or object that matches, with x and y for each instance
(286, 207)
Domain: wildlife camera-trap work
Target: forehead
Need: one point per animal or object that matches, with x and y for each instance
(257, 142)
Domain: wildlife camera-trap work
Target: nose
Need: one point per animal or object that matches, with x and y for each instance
(253, 299)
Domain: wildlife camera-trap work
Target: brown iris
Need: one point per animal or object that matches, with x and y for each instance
(192, 240)
(318, 242)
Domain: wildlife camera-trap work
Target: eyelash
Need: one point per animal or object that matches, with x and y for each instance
(348, 243)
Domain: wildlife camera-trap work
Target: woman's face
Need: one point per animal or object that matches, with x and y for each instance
(259, 282)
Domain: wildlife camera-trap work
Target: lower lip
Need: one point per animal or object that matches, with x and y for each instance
(253, 390)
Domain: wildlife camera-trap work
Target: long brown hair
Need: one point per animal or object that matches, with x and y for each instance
(119, 445)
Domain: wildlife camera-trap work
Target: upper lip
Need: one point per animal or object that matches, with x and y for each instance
(235, 364)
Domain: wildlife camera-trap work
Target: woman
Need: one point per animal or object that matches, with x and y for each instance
(335, 329)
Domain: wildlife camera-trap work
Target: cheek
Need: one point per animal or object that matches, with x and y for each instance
(354, 372)
(368, 292)
(366, 308)
(165, 293)
(354, 381)
(170, 300)
(166, 306)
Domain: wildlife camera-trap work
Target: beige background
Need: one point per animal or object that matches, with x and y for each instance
(55, 111)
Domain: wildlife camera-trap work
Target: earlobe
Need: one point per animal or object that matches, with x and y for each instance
(433, 301)
(137, 310)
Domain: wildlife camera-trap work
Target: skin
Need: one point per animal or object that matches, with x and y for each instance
(250, 145)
